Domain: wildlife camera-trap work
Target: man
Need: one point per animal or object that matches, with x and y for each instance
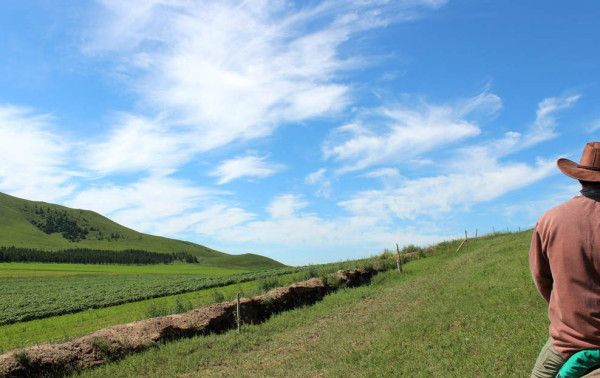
(564, 259)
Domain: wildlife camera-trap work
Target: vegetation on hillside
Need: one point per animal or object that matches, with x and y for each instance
(93, 256)
(49, 227)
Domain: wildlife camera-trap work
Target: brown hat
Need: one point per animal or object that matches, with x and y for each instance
(588, 168)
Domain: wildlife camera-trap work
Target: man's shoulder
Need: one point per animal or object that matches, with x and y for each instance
(565, 209)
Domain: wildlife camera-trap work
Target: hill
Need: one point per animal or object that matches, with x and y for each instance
(46, 226)
(471, 313)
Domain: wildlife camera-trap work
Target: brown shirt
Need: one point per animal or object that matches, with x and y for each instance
(564, 259)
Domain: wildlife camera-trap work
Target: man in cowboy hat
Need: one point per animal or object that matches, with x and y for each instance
(564, 259)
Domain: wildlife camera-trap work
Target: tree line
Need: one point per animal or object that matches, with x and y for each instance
(93, 256)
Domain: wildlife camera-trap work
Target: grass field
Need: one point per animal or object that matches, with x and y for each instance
(471, 313)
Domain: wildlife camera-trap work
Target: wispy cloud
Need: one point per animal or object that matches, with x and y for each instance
(285, 206)
(147, 203)
(251, 166)
(437, 195)
(319, 179)
(383, 172)
(544, 127)
(219, 72)
(401, 132)
(137, 143)
(34, 159)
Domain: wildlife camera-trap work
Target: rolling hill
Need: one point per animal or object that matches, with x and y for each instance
(46, 226)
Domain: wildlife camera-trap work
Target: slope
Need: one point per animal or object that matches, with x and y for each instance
(45, 226)
(471, 313)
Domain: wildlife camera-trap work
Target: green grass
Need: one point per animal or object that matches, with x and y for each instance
(17, 230)
(471, 313)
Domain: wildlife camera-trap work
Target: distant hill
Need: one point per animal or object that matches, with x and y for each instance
(46, 226)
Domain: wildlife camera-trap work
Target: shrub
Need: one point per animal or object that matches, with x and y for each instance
(101, 345)
(411, 248)
(22, 358)
(154, 310)
(182, 306)
(267, 284)
(217, 296)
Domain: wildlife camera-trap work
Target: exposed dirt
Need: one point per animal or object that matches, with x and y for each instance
(115, 342)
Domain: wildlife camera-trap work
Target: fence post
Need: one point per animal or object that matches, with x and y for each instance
(476, 233)
(493, 230)
(237, 312)
(398, 262)
(466, 235)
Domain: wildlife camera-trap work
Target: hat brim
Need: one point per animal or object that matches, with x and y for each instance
(573, 170)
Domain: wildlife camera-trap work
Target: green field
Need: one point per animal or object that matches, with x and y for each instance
(471, 313)
(44, 226)
(36, 290)
(51, 286)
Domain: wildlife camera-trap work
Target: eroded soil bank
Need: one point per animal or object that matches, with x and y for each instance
(113, 343)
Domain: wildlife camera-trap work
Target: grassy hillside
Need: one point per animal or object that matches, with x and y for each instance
(45, 226)
(471, 313)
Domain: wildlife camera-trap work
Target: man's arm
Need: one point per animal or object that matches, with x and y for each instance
(540, 266)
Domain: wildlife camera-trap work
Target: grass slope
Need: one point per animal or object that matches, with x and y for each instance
(17, 229)
(471, 313)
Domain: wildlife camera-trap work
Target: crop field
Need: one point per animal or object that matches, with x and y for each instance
(97, 288)
(40, 293)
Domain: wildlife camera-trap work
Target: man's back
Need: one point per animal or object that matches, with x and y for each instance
(565, 264)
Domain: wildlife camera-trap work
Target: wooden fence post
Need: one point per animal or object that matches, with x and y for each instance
(398, 262)
(237, 312)
(476, 233)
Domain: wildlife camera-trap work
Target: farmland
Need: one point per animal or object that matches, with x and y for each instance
(41, 293)
(86, 281)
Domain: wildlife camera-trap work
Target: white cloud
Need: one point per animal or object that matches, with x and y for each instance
(34, 159)
(319, 179)
(246, 166)
(487, 153)
(438, 195)
(137, 143)
(544, 127)
(594, 126)
(145, 204)
(285, 206)
(219, 72)
(383, 172)
(291, 232)
(402, 132)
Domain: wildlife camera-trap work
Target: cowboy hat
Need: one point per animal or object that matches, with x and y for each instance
(588, 168)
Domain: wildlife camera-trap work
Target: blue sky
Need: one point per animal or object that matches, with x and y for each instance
(305, 131)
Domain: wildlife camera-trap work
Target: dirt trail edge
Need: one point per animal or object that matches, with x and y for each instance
(113, 343)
